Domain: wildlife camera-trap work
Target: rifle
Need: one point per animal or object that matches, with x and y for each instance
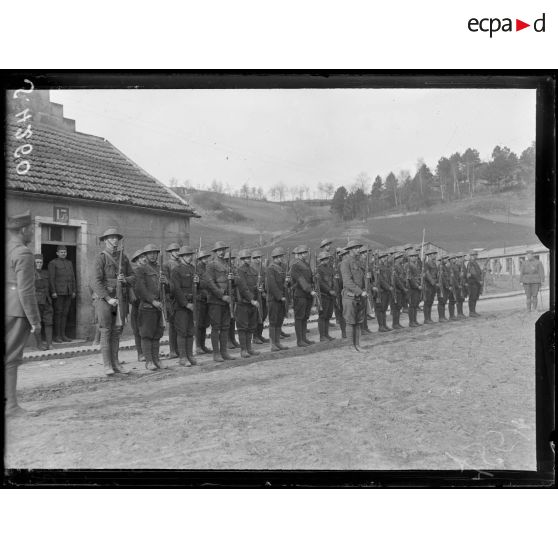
(195, 292)
(229, 284)
(120, 319)
(315, 284)
(441, 280)
(394, 284)
(367, 278)
(162, 293)
(336, 285)
(260, 302)
(287, 287)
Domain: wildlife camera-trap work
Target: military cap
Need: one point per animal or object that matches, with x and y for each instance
(325, 242)
(452, 256)
(277, 252)
(148, 248)
(136, 255)
(18, 221)
(257, 254)
(172, 246)
(185, 251)
(300, 249)
(444, 257)
(61, 247)
(202, 255)
(353, 244)
(229, 255)
(219, 245)
(323, 256)
(363, 250)
(244, 254)
(110, 232)
(39, 256)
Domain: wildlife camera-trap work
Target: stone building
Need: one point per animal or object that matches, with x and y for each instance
(78, 185)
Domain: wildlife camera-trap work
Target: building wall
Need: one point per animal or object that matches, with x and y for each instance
(139, 227)
(511, 264)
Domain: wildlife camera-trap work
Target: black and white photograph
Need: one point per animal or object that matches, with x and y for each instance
(334, 275)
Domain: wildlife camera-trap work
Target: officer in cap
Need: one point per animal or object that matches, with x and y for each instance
(136, 260)
(277, 297)
(110, 268)
(325, 245)
(219, 299)
(182, 285)
(257, 264)
(354, 293)
(327, 294)
(303, 294)
(63, 290)
(474, 282)
(430, 284)
(42, 291)
(22, 315)
(202, 308)
(172, 261)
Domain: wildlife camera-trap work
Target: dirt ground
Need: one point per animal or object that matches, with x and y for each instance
(450, 396)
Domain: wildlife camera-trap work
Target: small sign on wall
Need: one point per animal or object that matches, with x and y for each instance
(61, 214)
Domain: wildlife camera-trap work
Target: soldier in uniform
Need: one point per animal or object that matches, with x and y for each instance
(63, 290)
(363, 252)
(474, 282)
(430, 284)
(414, 283)
(104, 285)
(398, 284)
(42, 290)
(383, 296)
(217, 279)
(22, 315)
(247, 305)
(232, 342)
(277, 300)
(327, 294)
(303, 294)
(461, 293)
(202, 307)
(354, 293)
(443, 288)
(453, 271)
(182, 285)
(137, 259)
(338, 301)
(168, 266)
(151, 288)
(531, 276)
(257, 265)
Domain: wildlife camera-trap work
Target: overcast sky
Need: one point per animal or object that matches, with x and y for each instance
(300, 137)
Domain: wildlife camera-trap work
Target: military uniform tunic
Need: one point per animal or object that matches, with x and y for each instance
(182, 285)
(326, 287)
(399, 287)
(275, 276)
(301, 275)
(414, 285)
(150, 318)
(353, 287)
(247, 288)
(383, 284)
(474, 280)
(202, 307)
(217, 286)
(430, 282)
(42, 290)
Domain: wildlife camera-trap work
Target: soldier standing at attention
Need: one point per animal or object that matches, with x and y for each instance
(413, 275)
(104, 281)
(63, 290)
(276, 274)
(443, 288)
(168, 266)
(21, 315)
(474, 281)
(137, 259)
(219, 299)
(257, 265)
(399, 290)
(327, 294)
(383, 286)
(42, 290)
(247, 306)
(365, 330)
(354, 294)
(151, 287)
(461, 293)
(531, 275)
(202, 307)
(232, 343)
(303, 294)
(431, 282)
(182, 285)
(453, 286)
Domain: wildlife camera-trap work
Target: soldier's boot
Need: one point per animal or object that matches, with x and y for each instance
(327, 335)
(147, 350)
(243, 345)
(48, 337)
(299, 337)
(273, 337)
(321, 330)
(305, 333)
(343, 326)
(364, 326)
(249, 348)
(106, 350)
(283, 334)
(442, 313)
(181, 346)
(114, 346)
(173, 341)
(278, 339)
(215, 336)
(223, 336)
(139, 350)
(428, 315)
(38, 341)
(451, 310)
(58, 339)
(471, 308)
(258, 335)
(413, 317)
(384, 319)
(380, 321)
(533, 303)
(190, 350)
(232, 343)
(63, 336)
(460, 315)
(356, 330)
(201, 341)
(156, 345)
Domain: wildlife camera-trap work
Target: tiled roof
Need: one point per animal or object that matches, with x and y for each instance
(76, 165)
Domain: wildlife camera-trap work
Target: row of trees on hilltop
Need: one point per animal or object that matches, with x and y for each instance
(458, 176)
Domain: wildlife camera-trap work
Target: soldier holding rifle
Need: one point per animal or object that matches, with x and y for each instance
(257, 264)
(461, 284)
(338, 286)
(474, 280)
(277, 298)
(399, 290)
(168, 266)
(151, 288)
(414, 285)
(430, 278)
(137, 259)
(327, 294)
(202, 307)
(383, 296)
(365, 264)
(303, 294)
(443, 288)
(453, 286)
(112, 276)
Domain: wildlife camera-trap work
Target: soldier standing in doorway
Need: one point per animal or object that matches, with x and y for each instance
(202, 306)
(104, 285)
(22, 315)
(42, 290)
(63, 291)
(277, 300)
(168, 266)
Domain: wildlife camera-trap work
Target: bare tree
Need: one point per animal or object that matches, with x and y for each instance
(363, 181)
